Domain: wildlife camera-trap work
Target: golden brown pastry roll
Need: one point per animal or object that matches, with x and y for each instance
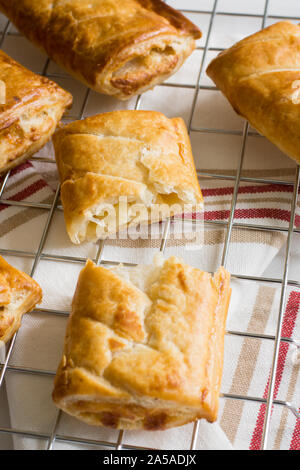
(30, 108)
(19, 294)
(124, 168)
(120, 48)
(260, 76)
(144, 346)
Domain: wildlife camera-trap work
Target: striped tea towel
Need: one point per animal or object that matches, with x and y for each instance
(253, 309)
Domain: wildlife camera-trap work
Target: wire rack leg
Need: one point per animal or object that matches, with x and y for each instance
(234, 197)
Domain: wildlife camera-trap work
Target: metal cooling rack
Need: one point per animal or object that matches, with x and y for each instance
(228, 226)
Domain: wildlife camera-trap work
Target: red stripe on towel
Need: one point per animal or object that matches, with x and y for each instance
(289, 321)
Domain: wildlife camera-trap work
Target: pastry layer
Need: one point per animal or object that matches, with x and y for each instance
(144, 346)
(121, 168)
(31, 108)
(19, 294)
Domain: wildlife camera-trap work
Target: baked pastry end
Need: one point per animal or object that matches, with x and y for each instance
(144, 346)
(19, 294)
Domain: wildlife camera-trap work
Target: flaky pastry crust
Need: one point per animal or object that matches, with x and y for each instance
(19, 294)
(260, 76)
(29, 113)
(144, 356)
(120, 48)
(140, 155)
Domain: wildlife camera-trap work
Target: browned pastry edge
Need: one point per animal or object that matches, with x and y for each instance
(19, 294)
(177, 19)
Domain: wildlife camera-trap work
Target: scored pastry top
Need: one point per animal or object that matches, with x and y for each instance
(29, 112)
(260, 76)
(142, 155)
(25, 88)
(144, 345)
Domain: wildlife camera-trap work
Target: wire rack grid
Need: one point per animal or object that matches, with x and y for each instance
(284, 281)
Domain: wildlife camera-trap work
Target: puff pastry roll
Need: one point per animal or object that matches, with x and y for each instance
(19, 294)
(30, 108)
(260, 76)
(120, 48)
(115, 166)
(144, 346)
